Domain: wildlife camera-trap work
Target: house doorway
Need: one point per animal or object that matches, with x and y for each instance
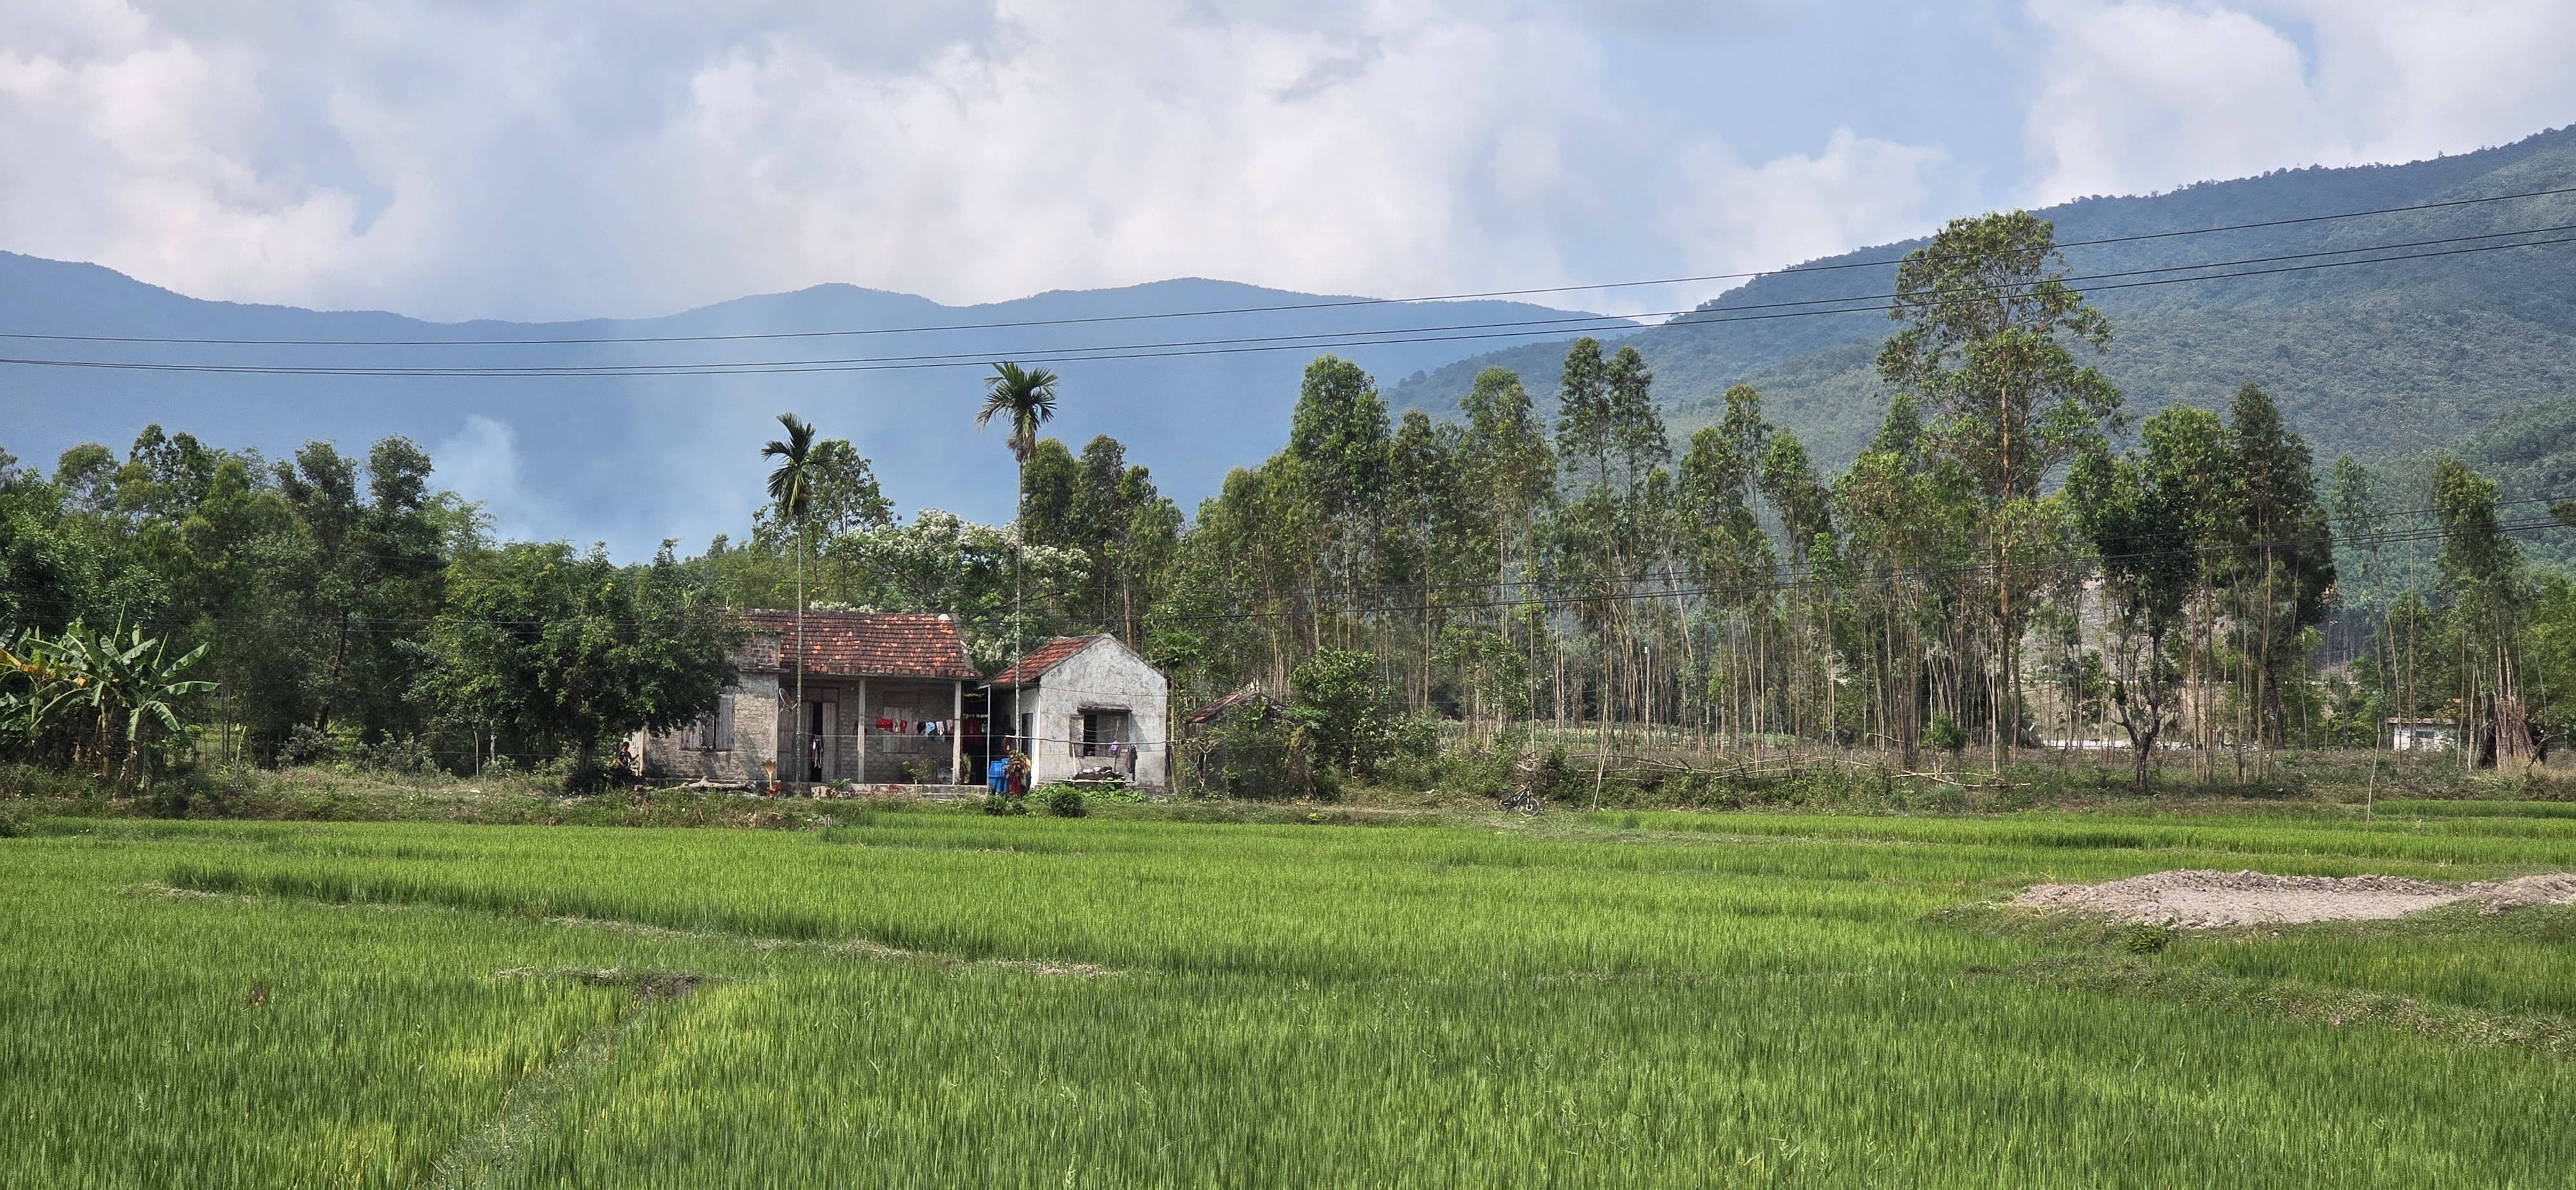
(822, 747)
(977, 744)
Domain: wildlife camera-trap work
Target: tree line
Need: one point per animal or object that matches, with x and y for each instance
(2012, 563)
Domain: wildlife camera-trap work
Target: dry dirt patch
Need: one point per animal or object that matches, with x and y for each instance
(2202, 899)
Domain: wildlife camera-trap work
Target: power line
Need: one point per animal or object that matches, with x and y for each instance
(1283, 307)
(1298, 342)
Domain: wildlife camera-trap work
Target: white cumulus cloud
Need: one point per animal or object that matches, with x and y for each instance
(517, 160)
(2139, 95)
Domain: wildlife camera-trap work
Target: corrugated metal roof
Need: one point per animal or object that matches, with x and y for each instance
(1226, 706)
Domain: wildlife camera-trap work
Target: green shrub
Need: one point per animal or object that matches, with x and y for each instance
(1065, 802)
(2146, 938)
(1555, 776)
(407, 756)
(306, 744)
(995, 803)
(1259, 757)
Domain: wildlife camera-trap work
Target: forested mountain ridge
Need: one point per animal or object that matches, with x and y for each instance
(2372, 360)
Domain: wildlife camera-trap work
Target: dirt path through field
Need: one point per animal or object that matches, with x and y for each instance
(2202, 899)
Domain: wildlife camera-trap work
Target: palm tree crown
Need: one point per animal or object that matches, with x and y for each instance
(792, 484)
(1027, 395)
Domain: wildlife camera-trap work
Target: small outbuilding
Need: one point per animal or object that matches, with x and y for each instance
(1202, 739)
(1081, 704)
(2422, 735)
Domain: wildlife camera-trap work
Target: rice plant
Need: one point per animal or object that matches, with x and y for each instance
(923, 999)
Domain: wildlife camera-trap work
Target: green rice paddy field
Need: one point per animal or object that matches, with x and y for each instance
(935, 999)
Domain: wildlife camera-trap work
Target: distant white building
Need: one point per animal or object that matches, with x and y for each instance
(1086, 702)
(2422, 735)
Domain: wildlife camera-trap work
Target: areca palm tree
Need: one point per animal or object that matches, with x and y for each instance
(1027, 396)
(791, 486)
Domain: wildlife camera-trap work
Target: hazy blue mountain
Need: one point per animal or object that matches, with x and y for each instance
(2378, 361)
(2373, 360)
(634, 459)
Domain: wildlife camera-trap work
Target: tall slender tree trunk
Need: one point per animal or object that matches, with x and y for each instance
(796, 737)
(1020, 548)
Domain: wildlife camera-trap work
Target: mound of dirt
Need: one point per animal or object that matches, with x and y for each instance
(2202, 899)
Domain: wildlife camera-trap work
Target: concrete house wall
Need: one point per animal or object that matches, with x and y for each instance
(757, 719)
(756, 725)
(1103, 675)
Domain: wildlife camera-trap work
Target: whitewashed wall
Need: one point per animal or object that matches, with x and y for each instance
(1105, 676)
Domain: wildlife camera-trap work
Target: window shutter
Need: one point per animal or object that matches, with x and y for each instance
(722, 728)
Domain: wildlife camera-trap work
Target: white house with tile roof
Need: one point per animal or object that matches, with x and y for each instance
(1087, 702)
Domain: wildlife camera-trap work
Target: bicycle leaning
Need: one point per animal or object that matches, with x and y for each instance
(1522, 797)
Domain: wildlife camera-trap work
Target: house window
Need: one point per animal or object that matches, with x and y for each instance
(715, 732)
(1101, 729)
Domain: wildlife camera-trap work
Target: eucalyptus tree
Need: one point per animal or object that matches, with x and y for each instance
(2285, 557)
(1338, 455)
(2356, 520)
(1110, 510)
(2482, 575)
(1987, 350)
(1027, 397)
(1506, 461)
(1609, 534)
(1905, 521)
(847, 499)
(1433, 536)
(2135, 510)
(1240, 599)
(1788, 482)
(1720, 539)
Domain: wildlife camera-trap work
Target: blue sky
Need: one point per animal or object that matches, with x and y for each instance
(497, 158)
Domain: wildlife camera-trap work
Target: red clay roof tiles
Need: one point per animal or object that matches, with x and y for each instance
(879, 644)
(1047, 656)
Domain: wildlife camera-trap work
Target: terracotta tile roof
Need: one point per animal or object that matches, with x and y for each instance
(879, 644)
(1047, 656)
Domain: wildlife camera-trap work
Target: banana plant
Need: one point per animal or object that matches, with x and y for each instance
(143, 681)
(46, 683)
(127, 684)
